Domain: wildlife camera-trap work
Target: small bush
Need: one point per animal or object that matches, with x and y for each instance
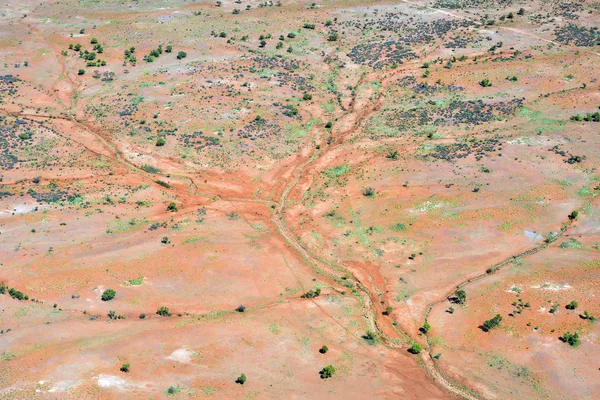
(108, 295)
(241, 379)
(492, 323)
(324, 350)
(416, 348)
(572, 305)
(17, 294)
(572, 339)
(81, 71)
(485, 83)
(161, 141)
(460, 296)
(241, 308)
(164, 311)
(425, 328)
(327, 372)
(311, 294)
(125, 368)
(369, 192)
(172, 207)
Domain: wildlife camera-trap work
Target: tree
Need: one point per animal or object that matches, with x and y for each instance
(573, 216)
(168, 49)
(572, 305)
(572, 339)
(241, 308)
(521, 11)
(81, 71)
(181, 55)
(327, 372)
(125, 367)
(161, 141)
(461, 296)
(492, 323)
(416, 348)
(94, 41)
(333, 37)
(164, 311)
(323, 350)
(388, 310)
(108, 295)
(172, 207)
(241, 379)
(307, 96)
(485, 82)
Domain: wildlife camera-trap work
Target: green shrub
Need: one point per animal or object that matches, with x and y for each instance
(572, 339)
(416, 348)
(426, 327)
(327, 372)
(324, 350)
(492, 323)
(572, 305)
(311, 294)
(241, 379)
(108, 295)
(17, 294)
(164, 311)
(125, 368)
(161, 141)
(172, 207)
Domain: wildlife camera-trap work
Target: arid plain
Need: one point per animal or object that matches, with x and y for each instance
(295, 199)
